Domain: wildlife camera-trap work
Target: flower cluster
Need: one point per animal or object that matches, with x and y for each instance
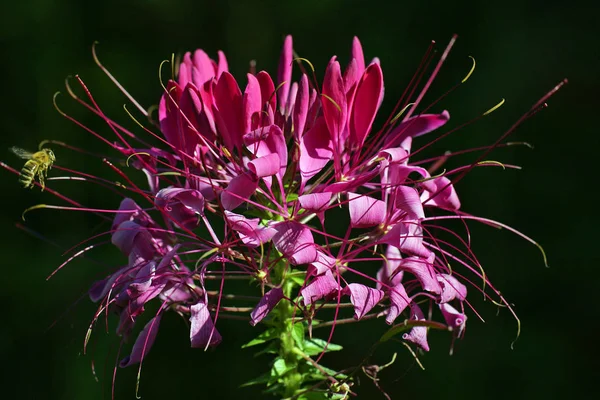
(249, 184)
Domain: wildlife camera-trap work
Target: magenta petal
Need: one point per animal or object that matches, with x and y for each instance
(132, 238)
(408, 237)
(222, 65)
(334, 103)
(423, 270)
(315, 202)
(416, 126)
(182, 205)
(251, 104)
(418, 334)
(202, 330)
(366, 102)
(315, 150)
(408, 200)
(169, 114)
(296, 242)
(321, 286)
(238, 191)
(323, 264)
(445, 194)
(389, 275)
(284, 73)
(451, 288)
(301, 108)
(127, 204)
(394, 154)
(203, 66)
(228, 100)
(365, 211)
(265, 305)
(357, 54)
(264, 166)
(267, 89)
(249, 230)
(143, 343)
(363, 298)
(455, 319)
(399, 300)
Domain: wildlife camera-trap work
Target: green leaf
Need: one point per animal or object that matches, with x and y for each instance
(316, 346)
(291, 197)
(297, 279)
(267, 335)
(261, 380)
(314, 396)
(279, 367)
(298, 334)
(272, 348)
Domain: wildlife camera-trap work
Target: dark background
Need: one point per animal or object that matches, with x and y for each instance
(522, 48)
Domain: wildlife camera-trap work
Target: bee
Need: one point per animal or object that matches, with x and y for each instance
(37, 163)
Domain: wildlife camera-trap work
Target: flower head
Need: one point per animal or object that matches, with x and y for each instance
(245, 184)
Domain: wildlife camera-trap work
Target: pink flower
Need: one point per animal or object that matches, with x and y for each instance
(245, 183)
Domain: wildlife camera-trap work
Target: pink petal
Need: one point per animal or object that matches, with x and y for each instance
(416, 126)
(296, 242)
(127, 204)
(454, 319)
(451, 288)
(240, 189)
(132, 238)
(315, 202)
(408, 237)
(249, 230)
(168, 114)
(366, 103)
(408, 200)
(265, 305)
(204, 67)
(185, 70)
(418, 334)
(315, 150)
(446, 198)
(301, 108)
(143, 343)
(202, 330)
(266, 141)
(423, 270)
(228, 101)
(267, 89)
(365, 211)
(357, 54)
(252, 105)
(399, 300)
(363, 298)
(321, 286)
(284, 73)
(389, 275)
(264, 166)
(182, 205)
(222, 64)
(323, 264)
(334, 103)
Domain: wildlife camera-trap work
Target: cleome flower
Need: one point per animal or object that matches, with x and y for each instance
(248, 183)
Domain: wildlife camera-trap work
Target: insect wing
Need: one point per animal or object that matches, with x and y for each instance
(21, 153)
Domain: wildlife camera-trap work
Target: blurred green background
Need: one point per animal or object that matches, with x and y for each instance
(522, 48)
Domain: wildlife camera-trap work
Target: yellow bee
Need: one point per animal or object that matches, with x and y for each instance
(38, 163)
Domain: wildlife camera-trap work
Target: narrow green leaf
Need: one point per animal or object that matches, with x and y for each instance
(316, 346)
(267, 335)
